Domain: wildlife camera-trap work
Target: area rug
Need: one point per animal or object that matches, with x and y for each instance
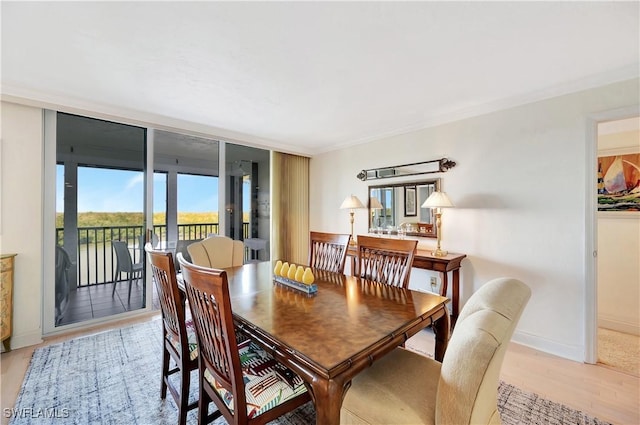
(114, 378)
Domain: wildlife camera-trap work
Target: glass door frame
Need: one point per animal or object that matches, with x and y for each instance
(49, 231)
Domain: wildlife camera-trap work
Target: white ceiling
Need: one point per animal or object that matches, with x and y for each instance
(308, 77)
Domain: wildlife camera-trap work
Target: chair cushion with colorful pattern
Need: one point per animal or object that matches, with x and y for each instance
(267, 382)
(192, 340)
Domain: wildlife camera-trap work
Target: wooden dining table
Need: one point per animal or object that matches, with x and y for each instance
(425, 259)
(329, 337)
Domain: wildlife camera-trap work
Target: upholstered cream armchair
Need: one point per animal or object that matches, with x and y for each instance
(407, 388)
(217, 252)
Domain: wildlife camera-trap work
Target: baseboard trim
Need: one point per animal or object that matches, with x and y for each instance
(620, 326)
(25, 340)
(570, 352)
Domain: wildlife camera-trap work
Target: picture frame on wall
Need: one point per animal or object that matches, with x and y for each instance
(410, 208)
(619, 182)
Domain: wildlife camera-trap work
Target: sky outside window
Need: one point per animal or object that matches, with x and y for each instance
(200, 193)
(197, 193)
(110, 190)
(104, 190)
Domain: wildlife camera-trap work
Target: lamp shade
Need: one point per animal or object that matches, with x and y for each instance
(351, 202)
(375, 204)
(437, 200)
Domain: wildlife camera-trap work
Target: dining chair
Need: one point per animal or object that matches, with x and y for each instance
(217, 252)
(386, 260)
(125, 265)
(179, 342)
(328, 251)
(245, 383)
(404, 387)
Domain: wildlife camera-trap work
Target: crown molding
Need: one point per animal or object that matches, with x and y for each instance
(63, 103)
(625, 73)
(77, 106)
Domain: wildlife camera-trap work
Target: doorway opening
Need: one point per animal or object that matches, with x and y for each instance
(618, 244)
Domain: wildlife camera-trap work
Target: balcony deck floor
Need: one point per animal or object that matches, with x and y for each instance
(95, 301)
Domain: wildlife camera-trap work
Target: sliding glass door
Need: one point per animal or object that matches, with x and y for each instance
(99, 207)
(199, 187)
(247, 199)
(190, 202)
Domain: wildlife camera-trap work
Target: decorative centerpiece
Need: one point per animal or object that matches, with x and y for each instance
(296, 277)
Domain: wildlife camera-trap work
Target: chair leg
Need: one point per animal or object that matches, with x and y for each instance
(165, 373)
(144, 287)
(203, 405)
(185, 378)
(116, 276)
(130, 284)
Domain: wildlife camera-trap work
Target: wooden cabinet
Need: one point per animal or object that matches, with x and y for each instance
(6, 299)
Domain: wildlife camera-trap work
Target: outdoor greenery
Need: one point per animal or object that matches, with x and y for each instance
(115, 219)
(95, 227)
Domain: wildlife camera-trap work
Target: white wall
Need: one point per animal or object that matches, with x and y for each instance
(619, 253)
(519, 188)
(22, 215)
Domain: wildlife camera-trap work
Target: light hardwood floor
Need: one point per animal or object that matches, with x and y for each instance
(605, 393)
(601, 392)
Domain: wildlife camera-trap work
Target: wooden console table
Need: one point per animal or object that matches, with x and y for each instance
(425, 260)
(6, 299)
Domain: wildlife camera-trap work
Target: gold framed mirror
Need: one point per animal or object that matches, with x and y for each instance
(396, 208)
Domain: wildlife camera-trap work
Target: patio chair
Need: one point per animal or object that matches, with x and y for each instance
(254, 246)
(63, 264)
(125, 265)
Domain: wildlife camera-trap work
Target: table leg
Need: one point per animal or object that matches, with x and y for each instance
(445, 284)
(456, 297)
(442, 330)
(328, 400)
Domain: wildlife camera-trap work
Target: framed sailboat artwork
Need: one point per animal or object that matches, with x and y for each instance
(619, 183)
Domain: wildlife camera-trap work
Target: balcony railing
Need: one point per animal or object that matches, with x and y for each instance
(96, 260)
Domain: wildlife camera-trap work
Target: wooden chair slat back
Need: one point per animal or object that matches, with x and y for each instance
(208, 295)
(328, 251)
(175, 335)
(164, 277)
(386, 260)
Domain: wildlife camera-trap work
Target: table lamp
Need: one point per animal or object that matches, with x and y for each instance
(351, 203)
(374, 204)
(438, 200)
